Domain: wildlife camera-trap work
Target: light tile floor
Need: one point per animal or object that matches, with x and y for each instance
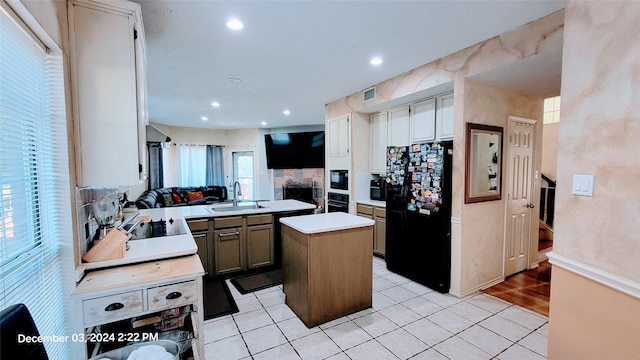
(407, 321)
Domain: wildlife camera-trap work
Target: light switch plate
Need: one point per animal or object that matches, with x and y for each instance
(582, 185)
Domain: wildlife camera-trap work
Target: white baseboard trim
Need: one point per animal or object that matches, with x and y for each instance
(475, 290)
(616, 282)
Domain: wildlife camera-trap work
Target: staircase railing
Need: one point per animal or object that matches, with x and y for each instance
(547, 201)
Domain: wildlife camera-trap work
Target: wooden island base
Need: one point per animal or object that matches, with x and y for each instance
(327, 274)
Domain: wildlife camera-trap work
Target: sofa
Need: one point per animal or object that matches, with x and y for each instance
(181, 196)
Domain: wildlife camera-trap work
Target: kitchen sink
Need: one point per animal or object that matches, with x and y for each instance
(240, 206)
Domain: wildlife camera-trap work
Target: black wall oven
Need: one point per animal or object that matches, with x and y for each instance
(337, 202)
(339, 179)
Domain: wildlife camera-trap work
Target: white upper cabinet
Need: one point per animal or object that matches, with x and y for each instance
(338, 136)
(379, 143)
(423, 121)
(106, 41)
(445, 117)
(398, 127)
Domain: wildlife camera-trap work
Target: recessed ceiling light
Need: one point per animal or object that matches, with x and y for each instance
(264, 123)
(286, 112)
(204, 118)
(235, 24)
(235, 80)
(215, 104)
(376, 61)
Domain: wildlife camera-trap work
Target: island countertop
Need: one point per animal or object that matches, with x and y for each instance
(325, 222)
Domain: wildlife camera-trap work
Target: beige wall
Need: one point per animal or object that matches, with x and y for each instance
(482, 232)
(471, 268)
(599, 131)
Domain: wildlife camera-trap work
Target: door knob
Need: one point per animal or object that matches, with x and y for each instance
(531, 206)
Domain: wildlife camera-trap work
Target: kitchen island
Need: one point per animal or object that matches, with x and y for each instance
(327, 265)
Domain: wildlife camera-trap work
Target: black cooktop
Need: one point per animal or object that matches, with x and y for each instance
(159, 228)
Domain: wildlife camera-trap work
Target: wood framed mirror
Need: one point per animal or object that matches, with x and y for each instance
(483, 161)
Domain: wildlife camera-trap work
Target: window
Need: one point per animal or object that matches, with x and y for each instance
(192, 161)
(198, 165)
(34, 180)
(551, 110)
(243, 173)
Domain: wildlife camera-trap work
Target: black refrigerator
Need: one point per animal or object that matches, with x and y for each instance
(418, 213)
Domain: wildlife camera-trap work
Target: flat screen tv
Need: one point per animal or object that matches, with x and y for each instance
(295, 150)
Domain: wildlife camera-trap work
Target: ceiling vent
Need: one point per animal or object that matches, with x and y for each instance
(369, 94)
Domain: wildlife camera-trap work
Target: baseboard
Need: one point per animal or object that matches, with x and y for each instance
(475, 290)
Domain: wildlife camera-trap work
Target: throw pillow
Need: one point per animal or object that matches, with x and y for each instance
(183, 196)
(168, 199)
(176, 198)
(194, 195)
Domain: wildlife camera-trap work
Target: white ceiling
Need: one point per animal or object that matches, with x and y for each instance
(301, 55)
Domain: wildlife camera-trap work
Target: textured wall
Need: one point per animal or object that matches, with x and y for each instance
(599, 131)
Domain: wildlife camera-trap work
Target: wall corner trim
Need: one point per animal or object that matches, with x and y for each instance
(616, 282)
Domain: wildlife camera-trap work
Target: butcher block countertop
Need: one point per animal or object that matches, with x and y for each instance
(122, 277)
(325, 222)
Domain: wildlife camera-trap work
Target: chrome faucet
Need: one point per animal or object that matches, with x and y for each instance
(236, 194)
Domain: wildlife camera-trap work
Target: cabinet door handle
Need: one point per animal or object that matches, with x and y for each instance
(229, 234)
(173, 295)
(114, 307)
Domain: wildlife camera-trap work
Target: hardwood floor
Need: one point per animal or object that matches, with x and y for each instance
(529, 289)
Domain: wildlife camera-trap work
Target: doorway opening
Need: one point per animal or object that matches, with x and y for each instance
(550, 127)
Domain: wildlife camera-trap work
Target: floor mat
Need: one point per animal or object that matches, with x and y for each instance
(250, 283)
(218, 300)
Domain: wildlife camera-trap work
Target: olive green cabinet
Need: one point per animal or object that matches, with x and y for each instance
(243, 243)
(260, 241)
(377, 214)
(228, 237)
(203, 236)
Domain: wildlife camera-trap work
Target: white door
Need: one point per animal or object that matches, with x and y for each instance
(519, 172)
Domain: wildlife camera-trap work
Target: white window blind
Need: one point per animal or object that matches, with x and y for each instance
(34, 180)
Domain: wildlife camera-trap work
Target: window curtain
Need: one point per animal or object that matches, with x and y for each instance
(215, 165)
(192, 165)
(156, 171)
(36, 263)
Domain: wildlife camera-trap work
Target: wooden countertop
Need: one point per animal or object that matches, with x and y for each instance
(325, 222)
(133, 275)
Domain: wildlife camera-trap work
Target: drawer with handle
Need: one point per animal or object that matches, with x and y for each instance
(170, 296)
(112, 308)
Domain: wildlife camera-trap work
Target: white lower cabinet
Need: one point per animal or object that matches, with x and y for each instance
(158, 300)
